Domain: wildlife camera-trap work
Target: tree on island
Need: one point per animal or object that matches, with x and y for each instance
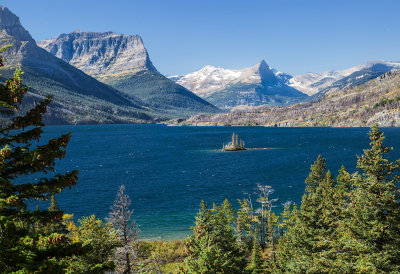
(27, 244)
(120, 218)
(236, 144)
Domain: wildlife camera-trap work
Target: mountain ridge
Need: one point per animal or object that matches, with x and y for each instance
(230, 89)
(312, 83)
(376, 101)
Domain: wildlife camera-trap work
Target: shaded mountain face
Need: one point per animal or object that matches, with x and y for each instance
(100, 54)
(161, 93)
(122, 61)
(311, 83)
(235, 89)
(78, 98)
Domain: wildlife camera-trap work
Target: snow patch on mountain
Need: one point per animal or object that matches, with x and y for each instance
(311, 83)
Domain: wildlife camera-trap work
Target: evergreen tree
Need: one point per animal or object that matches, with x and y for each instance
(352, 225)
(197, 245)
(303, 235)
(245, 225)
(257, 262)
(344, 183)
(317, 174)
(24, 245)
(288, 245)
(99, 240)
(370, 234)
(53, 205)
(120, 218)
(323, 253)
(213, 247)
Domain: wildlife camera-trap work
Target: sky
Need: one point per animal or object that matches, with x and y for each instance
(181, 36)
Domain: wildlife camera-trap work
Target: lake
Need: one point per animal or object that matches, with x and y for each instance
(167, 171)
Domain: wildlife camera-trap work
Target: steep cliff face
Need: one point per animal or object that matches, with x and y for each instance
(233, 89)
(77, 97)
(100, 54)
(12, 32)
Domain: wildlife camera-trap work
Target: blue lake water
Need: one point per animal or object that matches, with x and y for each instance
(167, 171)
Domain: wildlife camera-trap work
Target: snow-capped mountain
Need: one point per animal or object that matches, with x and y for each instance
(207, 80)
(252, 86)
(312, 83)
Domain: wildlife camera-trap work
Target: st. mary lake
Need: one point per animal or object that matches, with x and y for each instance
(167, 171)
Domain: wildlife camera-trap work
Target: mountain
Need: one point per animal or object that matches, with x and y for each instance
(123, 62)
(312, 83)
(78, 97)
(234, 89)
(100, 54)
(376, 101)
(163, 94)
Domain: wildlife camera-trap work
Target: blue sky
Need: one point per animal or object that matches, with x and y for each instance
(181, 36)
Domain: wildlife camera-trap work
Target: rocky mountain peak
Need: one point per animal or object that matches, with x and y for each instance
(266, 73)
(11, 26)
(12, 32)
(251, 86)
(262, 63)
(101, 54)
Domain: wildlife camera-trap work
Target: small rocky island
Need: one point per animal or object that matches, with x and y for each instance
(236, 144)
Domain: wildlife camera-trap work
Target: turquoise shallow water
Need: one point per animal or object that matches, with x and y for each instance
(169, 170)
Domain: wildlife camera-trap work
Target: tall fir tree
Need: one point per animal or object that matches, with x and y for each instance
(245, 225)
(213, 247)
(257, 263)
(370, 233)
(295, 253)
(24, 245)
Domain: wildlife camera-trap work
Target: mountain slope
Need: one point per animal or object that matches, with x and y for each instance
(376, 101)
(123, 62)
(311, 83)
(78, 98)
(161, 93)
(229, 89)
